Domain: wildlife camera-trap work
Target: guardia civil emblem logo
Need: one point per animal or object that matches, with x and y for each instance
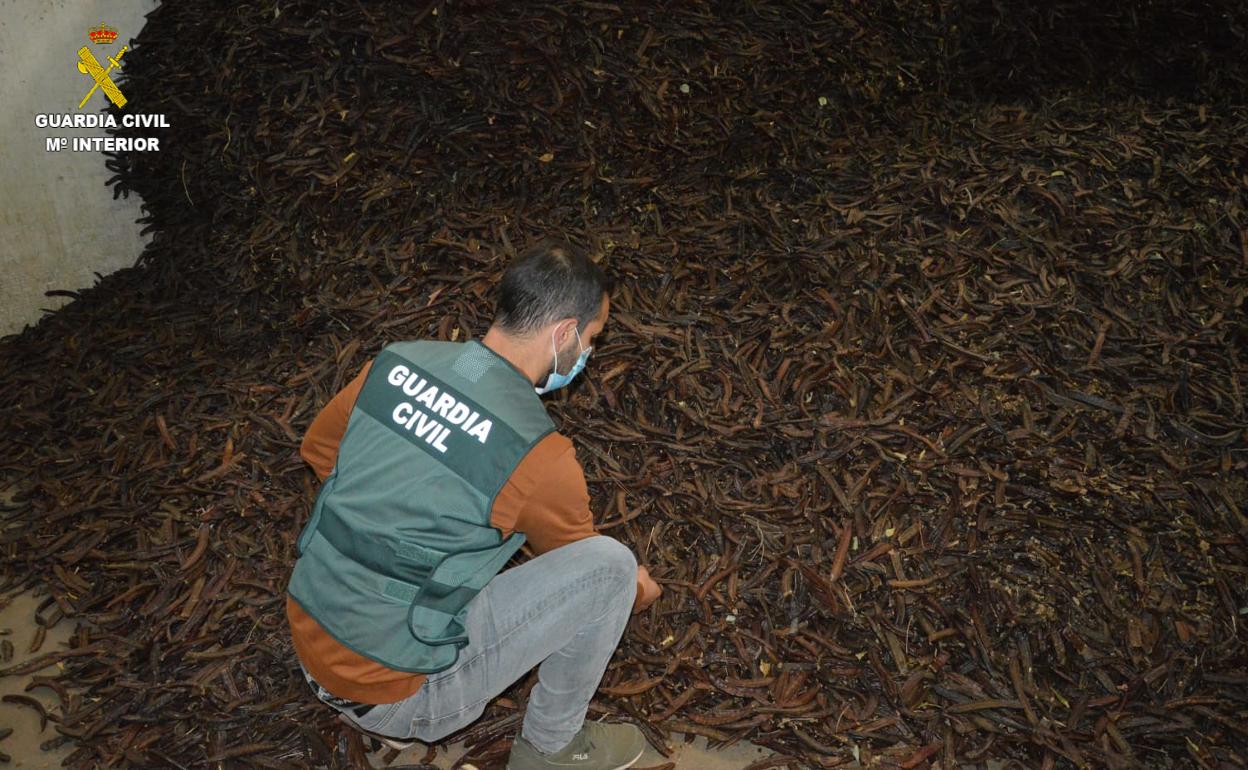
(91, 67)
(100, 70)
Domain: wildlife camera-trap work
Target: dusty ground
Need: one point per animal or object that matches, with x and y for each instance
(17, 622)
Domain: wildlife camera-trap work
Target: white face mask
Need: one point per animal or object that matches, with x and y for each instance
(555, 380)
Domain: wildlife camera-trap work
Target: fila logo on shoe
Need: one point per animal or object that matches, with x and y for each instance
(580, 757)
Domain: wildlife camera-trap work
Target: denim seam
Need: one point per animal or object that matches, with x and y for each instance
(609, 609)
(383, 721)
(593, 578)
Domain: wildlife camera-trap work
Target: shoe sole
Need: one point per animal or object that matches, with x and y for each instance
(632, 761)
(624, 766)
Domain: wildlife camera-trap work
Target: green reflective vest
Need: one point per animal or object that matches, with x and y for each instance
(399, 539)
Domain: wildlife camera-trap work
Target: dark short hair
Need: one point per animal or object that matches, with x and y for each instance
(549, 281)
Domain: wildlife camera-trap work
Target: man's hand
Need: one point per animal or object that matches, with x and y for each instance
(648, 590)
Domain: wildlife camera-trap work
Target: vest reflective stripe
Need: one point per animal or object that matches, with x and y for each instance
(400, 540)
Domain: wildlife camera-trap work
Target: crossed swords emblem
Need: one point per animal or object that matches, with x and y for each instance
(89, 65)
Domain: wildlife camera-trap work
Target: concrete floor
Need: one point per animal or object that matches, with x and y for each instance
(17, 624)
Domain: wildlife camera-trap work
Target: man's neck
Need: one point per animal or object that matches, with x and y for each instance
(526, 355)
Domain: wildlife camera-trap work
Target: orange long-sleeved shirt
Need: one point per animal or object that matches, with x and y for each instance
(546, 498)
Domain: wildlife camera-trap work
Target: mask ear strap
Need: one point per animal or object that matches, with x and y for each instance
(555, 348)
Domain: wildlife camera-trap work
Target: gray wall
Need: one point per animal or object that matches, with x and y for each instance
(59, 224)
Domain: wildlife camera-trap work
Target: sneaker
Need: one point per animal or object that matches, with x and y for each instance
(393, 743)
(598, 746)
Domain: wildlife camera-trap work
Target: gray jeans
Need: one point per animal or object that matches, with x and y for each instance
(564, 610)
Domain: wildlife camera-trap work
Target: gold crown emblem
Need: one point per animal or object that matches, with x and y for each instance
(102, 35)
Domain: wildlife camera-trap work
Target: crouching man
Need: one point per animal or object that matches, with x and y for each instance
(438, 462)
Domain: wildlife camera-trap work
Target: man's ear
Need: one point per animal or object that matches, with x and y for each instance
(564, 331)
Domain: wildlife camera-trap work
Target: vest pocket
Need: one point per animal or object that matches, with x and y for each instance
(389, 557)
(438, 613)
(435, 626)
